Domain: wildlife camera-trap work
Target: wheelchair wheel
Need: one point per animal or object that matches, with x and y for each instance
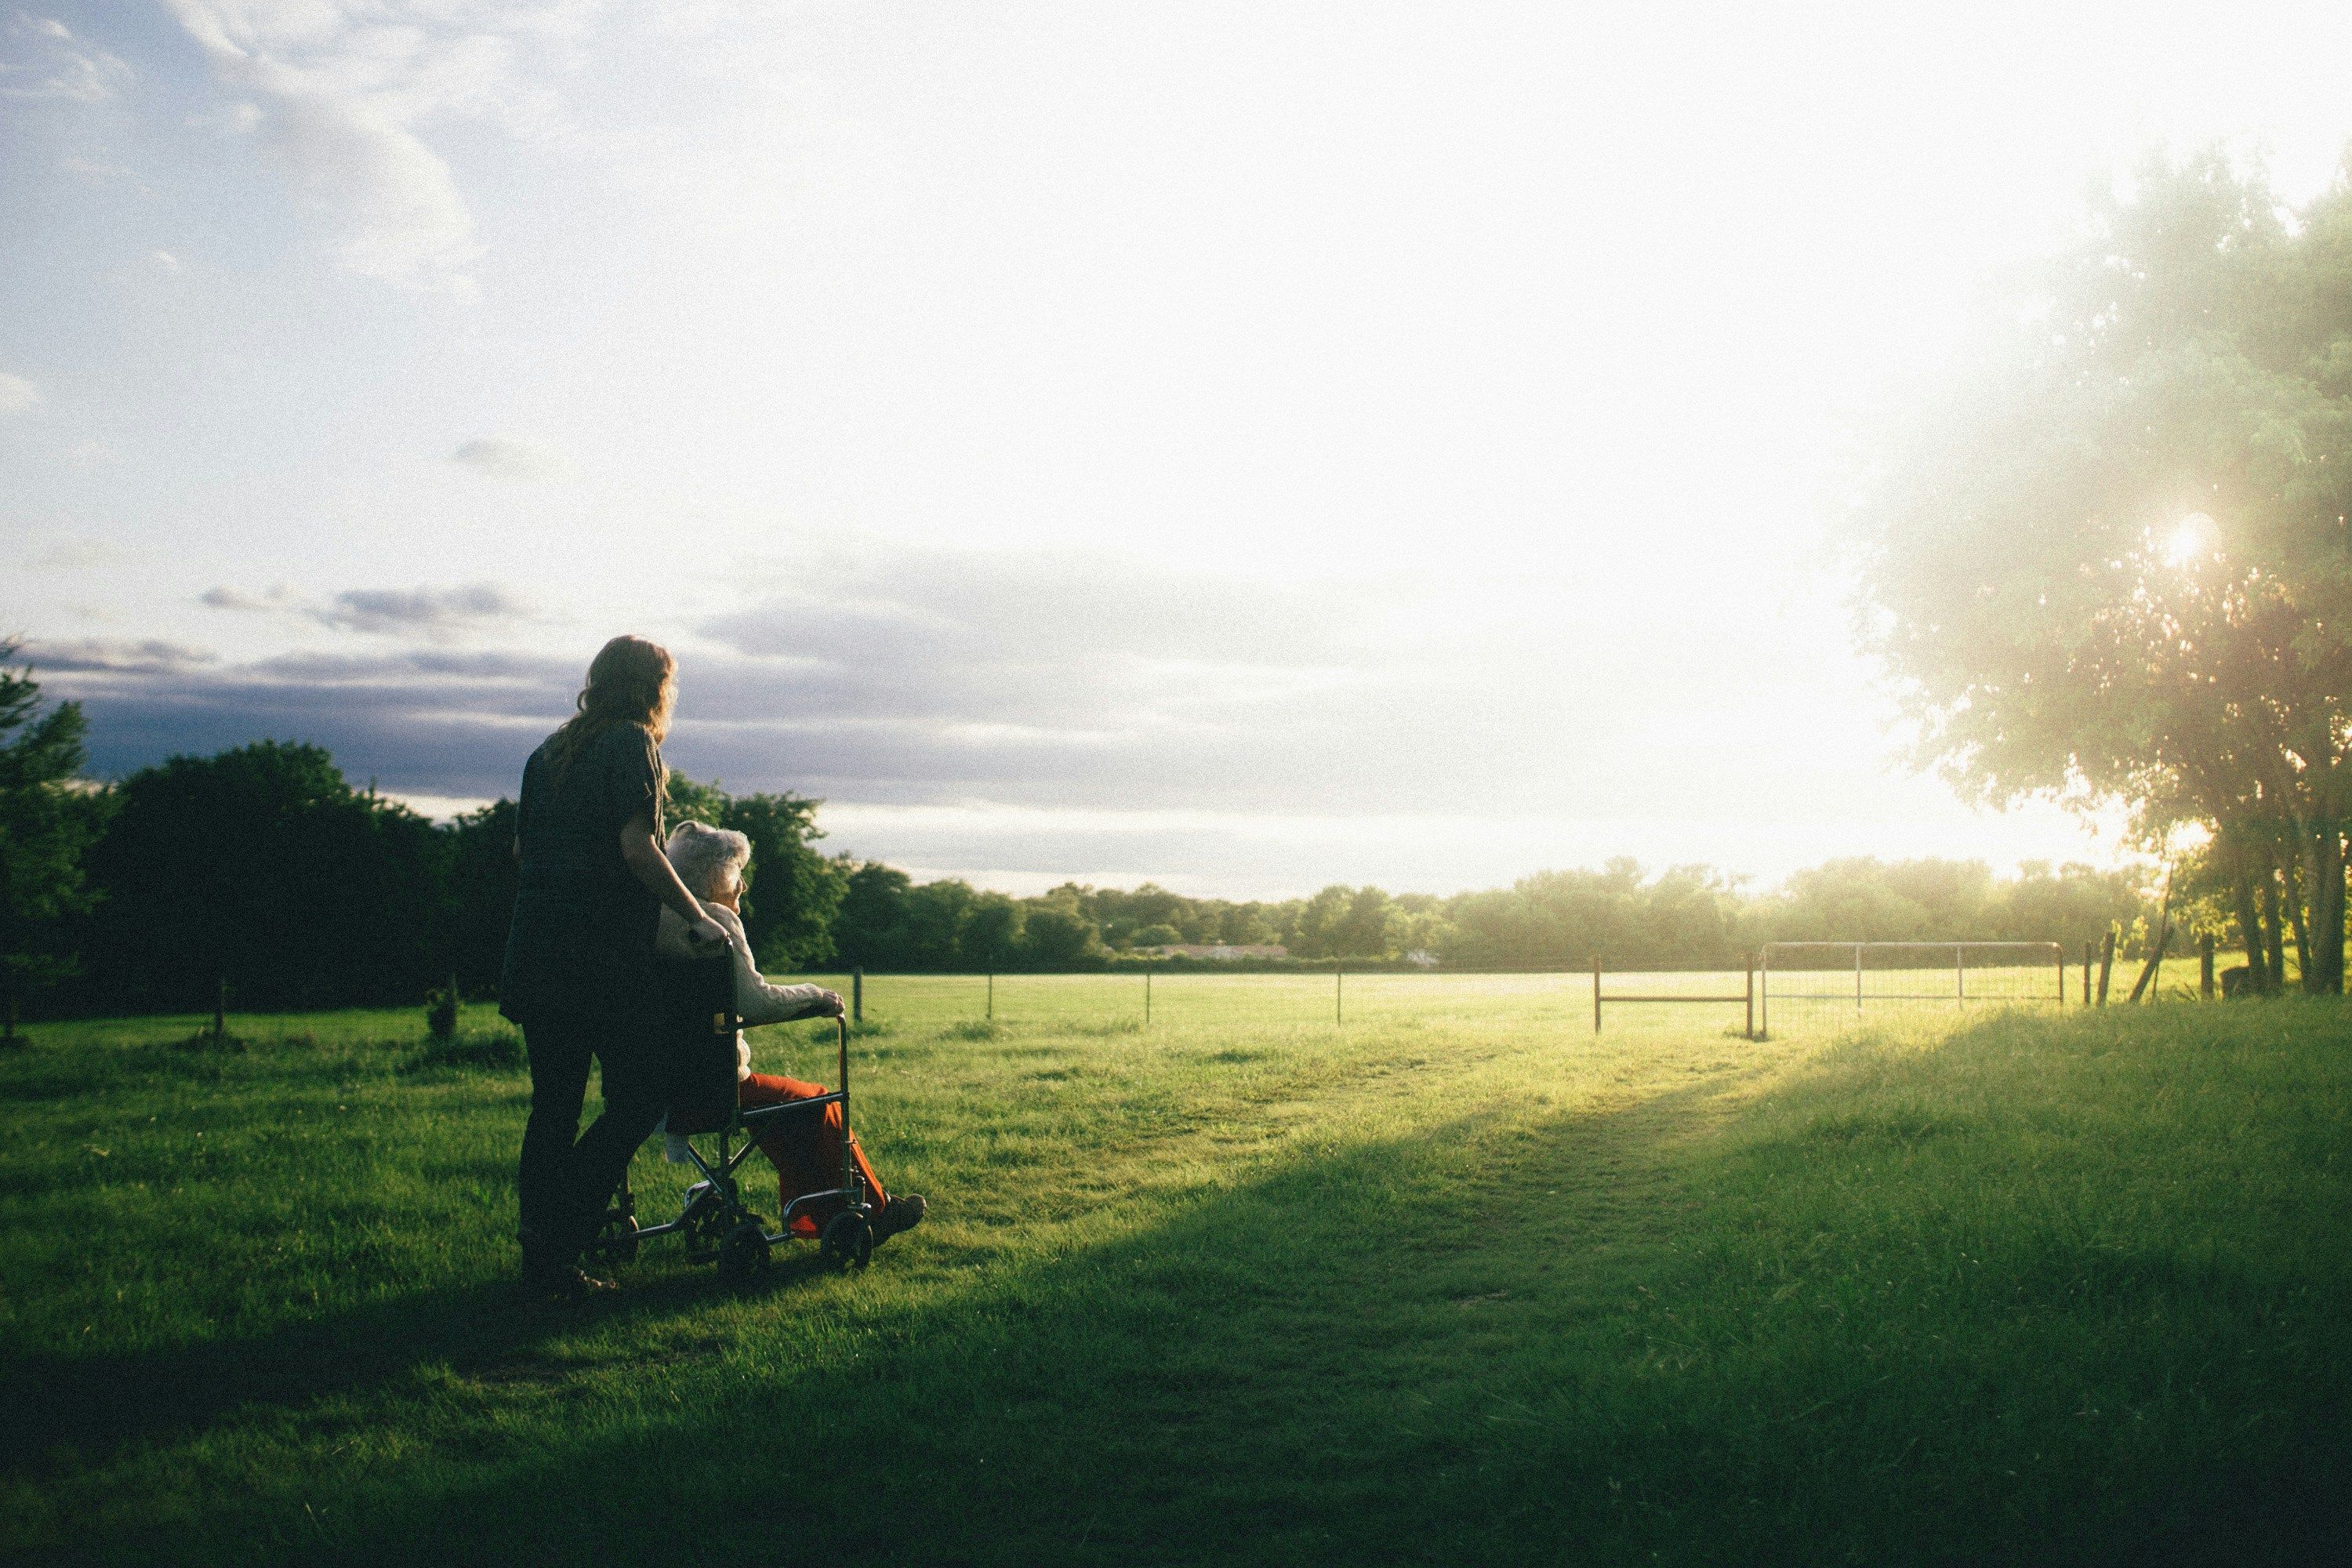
(848, 1241)
(743, 1254)
(616, 1243)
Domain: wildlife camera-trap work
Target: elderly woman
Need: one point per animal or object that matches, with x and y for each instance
(805, 1150)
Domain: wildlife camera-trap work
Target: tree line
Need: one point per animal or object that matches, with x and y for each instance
(263, 870)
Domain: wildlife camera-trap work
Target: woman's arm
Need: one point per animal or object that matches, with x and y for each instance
(643, 855)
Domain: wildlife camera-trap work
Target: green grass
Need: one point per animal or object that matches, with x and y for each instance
(1458, 1283)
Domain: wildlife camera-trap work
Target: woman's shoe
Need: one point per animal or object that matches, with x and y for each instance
(567, 1282)
(902, 1213)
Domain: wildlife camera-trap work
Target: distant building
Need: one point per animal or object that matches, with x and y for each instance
(1226, 950)
(1421, 958)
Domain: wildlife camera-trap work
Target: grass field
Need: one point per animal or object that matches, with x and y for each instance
(1458, 1281)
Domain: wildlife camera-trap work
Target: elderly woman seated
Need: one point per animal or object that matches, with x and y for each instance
(805, 1150)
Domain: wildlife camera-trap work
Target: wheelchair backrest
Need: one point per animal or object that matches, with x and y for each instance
(699, 1024)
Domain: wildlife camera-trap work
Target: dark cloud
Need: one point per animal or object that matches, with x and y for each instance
(1049, 685)
(421, 609)
(99, 656)
(391, 611)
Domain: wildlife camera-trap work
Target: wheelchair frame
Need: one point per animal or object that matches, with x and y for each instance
(715, 1222)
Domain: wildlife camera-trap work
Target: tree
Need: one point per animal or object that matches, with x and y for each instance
(47, 822)
(873, 913)
(2108, 559)
(993, 930)
(1056, 935)
(262, 868)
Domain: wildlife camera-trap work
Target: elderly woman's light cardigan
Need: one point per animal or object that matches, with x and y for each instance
(756, 1001)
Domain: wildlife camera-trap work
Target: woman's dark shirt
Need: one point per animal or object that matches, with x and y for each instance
(583, 937)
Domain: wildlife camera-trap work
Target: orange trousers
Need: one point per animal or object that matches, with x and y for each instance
(806, 1150)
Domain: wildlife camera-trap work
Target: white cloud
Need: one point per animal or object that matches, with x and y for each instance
(498, 459)
(340, 91)
(17, 394)
(165, 262)
(56, 64)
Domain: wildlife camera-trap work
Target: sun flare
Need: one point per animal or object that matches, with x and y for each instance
(2193, 540)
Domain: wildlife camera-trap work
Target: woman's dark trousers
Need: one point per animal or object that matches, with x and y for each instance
(566, 1185)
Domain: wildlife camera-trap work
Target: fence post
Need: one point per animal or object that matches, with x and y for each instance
(2205, 966)
(857, 994)
(1751, 999)
(2087, 973)
(2106, 963)
(1596, 992)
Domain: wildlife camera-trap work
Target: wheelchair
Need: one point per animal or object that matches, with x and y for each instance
(698, 1016)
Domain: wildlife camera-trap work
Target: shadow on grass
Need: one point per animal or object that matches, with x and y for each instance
(1573, 1346)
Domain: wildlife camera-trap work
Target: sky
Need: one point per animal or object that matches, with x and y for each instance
(1245, 447)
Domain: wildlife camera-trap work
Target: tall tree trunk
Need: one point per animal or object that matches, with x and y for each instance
(2273, 927)
(2291, 896)
(2322, 938)
(2250, 922)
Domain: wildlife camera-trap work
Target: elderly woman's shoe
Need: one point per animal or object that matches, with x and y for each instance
(902, 1213)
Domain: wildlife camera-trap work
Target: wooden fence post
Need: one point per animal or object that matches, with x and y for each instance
(1751, 999)
(2106, 963)
(857, 994)
(2087, 949)
(2205, 966)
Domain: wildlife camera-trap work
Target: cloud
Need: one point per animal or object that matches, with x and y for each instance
(516, 461)
(78, 555)
(426, 610)
(165, 262)
(431, 612)
(102, 657)
(274, 598)
(17, 394)
(56, 64)
(337, 92)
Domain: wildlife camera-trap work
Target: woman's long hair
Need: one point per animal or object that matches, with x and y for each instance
(630, 681)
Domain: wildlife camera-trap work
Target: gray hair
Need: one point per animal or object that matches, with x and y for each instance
(703, 856)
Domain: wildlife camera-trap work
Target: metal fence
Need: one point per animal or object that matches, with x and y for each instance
(1807, 981)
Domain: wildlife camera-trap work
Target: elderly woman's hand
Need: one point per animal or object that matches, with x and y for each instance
(829, 1004)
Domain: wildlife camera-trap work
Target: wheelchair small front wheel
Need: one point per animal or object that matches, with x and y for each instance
(743, 1254)
(848, 1241)
(617, 1241)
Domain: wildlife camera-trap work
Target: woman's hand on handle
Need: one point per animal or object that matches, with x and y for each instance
(830, 1005)
(642, 853)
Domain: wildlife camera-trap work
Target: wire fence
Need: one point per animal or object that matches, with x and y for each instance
(1794, 985)
(1810, 983)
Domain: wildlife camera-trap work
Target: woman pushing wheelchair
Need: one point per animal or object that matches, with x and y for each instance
(595, 884)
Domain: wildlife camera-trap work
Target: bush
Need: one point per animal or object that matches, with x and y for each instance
(441, 1012)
